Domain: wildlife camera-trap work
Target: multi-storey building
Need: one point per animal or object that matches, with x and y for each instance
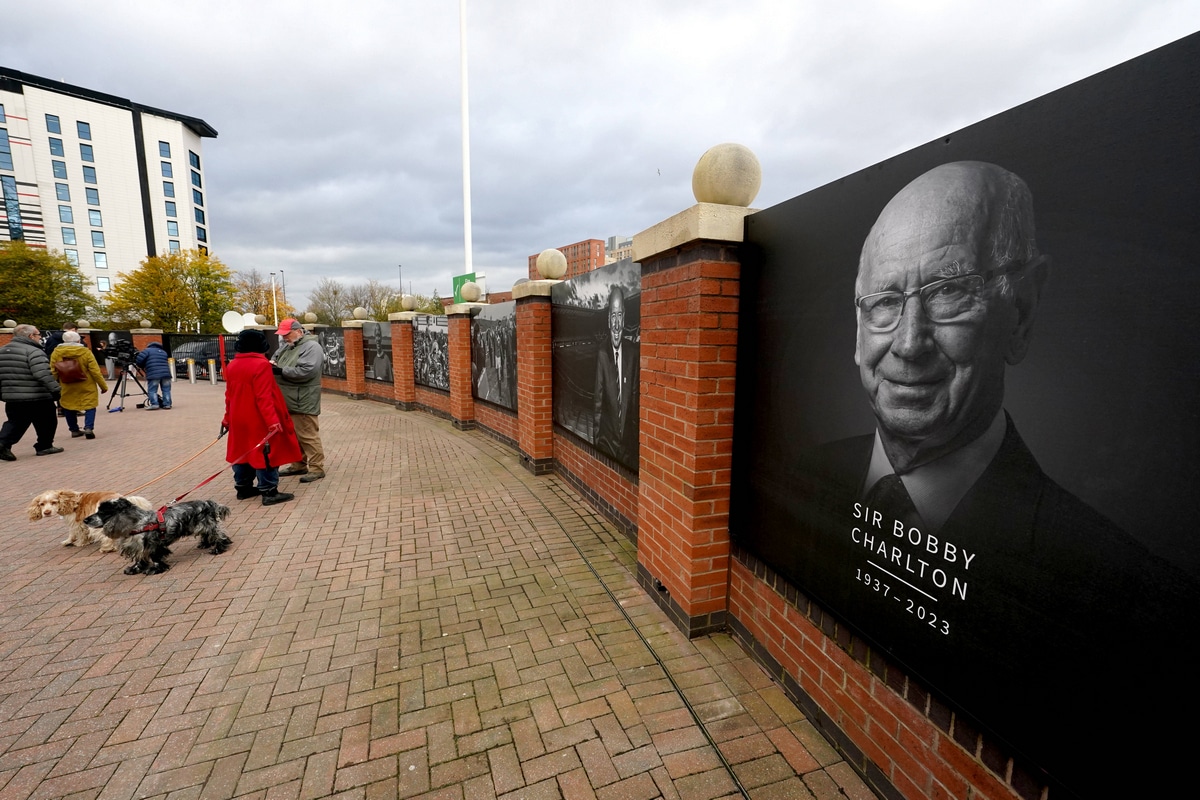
(582, 257)
(100, 178)
(617, 248)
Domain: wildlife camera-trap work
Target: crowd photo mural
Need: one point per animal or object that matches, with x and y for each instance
(494, 355)
(596, 340)
(377, 351)
(333, 342)
(431, 351)
(972, 436)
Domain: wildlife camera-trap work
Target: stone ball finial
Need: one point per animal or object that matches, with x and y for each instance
(10, 323)
(728, 174)
(470, 292)
(260, 319)
(145, 323)
(551, 264)
(83, 323)
(408, 302)
(310, 317)
(360, 313)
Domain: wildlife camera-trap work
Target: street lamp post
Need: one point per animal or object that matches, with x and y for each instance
(274, 303)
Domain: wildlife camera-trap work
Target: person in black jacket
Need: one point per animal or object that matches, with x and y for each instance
(29, 392)
(153, 362)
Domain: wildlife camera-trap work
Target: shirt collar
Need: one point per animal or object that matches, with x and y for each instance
(937, 487)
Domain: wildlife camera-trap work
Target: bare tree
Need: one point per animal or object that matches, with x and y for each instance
(330, 301)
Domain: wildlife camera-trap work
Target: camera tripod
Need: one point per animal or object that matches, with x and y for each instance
(121, 388)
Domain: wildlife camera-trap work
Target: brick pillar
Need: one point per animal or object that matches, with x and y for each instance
(144, 336)
(6, 335)
(535, 418)
(688, 353)
(403, 376)
(462, 400)
(356, 377)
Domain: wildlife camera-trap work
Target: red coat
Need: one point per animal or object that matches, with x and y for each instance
(253, 403)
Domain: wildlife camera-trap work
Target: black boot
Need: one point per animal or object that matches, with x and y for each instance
(246, 492)
(272, 496)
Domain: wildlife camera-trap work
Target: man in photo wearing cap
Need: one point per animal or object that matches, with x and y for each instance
(297, 367)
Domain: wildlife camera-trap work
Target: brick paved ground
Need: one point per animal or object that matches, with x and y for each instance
(418, 624)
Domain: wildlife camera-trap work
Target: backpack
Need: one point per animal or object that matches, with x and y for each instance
(69, 370)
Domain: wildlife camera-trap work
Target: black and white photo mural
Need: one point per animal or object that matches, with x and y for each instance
(967, 414)
(377, 351)
(494, 355)
(431, 351)
(596, 334)
(333, 342)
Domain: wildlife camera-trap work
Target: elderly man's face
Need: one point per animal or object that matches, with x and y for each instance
(934, 386)
(293, 336)
(616, 320)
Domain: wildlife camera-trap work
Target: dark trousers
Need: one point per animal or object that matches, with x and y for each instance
(21, 414)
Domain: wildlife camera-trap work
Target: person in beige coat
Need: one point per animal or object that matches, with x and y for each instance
(80, 396)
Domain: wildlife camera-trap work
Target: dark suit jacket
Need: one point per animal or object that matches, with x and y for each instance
(615, 410)
(1064, 618)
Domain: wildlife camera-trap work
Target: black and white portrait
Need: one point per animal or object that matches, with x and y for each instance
(596, 323)
(431, 351)
(333, 342)
(377, 351)
(494, 355)
(960, 414)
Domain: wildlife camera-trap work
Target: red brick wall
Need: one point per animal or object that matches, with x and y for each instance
(462, 402)
(140, 340)
(689, 351)
(612, 490)
(497, 421)
(356, 382)
(534, 379)
(381, 391)
(434, 399)
(402, 361)
(906, 733)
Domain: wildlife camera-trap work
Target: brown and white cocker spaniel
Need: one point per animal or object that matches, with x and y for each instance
(75, 507)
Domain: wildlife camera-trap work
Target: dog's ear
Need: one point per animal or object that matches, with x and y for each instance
(35, 507)
(68, 502)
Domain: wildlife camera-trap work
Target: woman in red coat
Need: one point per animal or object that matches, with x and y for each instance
(254, 407)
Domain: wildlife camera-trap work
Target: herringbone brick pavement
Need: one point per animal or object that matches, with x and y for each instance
(424, 622)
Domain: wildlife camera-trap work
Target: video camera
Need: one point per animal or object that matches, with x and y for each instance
(123, 352)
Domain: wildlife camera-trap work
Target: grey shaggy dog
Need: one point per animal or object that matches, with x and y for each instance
(144, 541)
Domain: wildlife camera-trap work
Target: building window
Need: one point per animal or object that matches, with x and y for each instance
(85, 152)
(64, 215)
(62, 191)
(168, 189)
(94, 218)
(93, 196)
(201, 235)
(52, 125)
(164, 149)
(166, 170)
(194, 160)
(68, 235)
(89, 174)
(202, 249)
(97, 238)
(101, 260)
(170, 209)
(85, 130)
(56, 148)
(103, 284)
(197, 197)
(2, 117)
(199, 215)
(6, 161)
(72, 256)
(12, 207)
(60, 169)
(196, 179)
(174, 245)
(172, 228)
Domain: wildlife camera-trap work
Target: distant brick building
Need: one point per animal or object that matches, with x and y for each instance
(582, 257)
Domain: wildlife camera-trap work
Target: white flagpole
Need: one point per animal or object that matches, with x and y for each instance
(466, 134)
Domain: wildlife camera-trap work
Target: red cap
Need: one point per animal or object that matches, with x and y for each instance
(287, 326)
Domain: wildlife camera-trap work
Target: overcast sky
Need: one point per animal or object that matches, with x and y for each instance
(340, 131)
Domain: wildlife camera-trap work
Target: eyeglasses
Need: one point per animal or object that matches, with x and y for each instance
(35, 335)
(944, 300)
